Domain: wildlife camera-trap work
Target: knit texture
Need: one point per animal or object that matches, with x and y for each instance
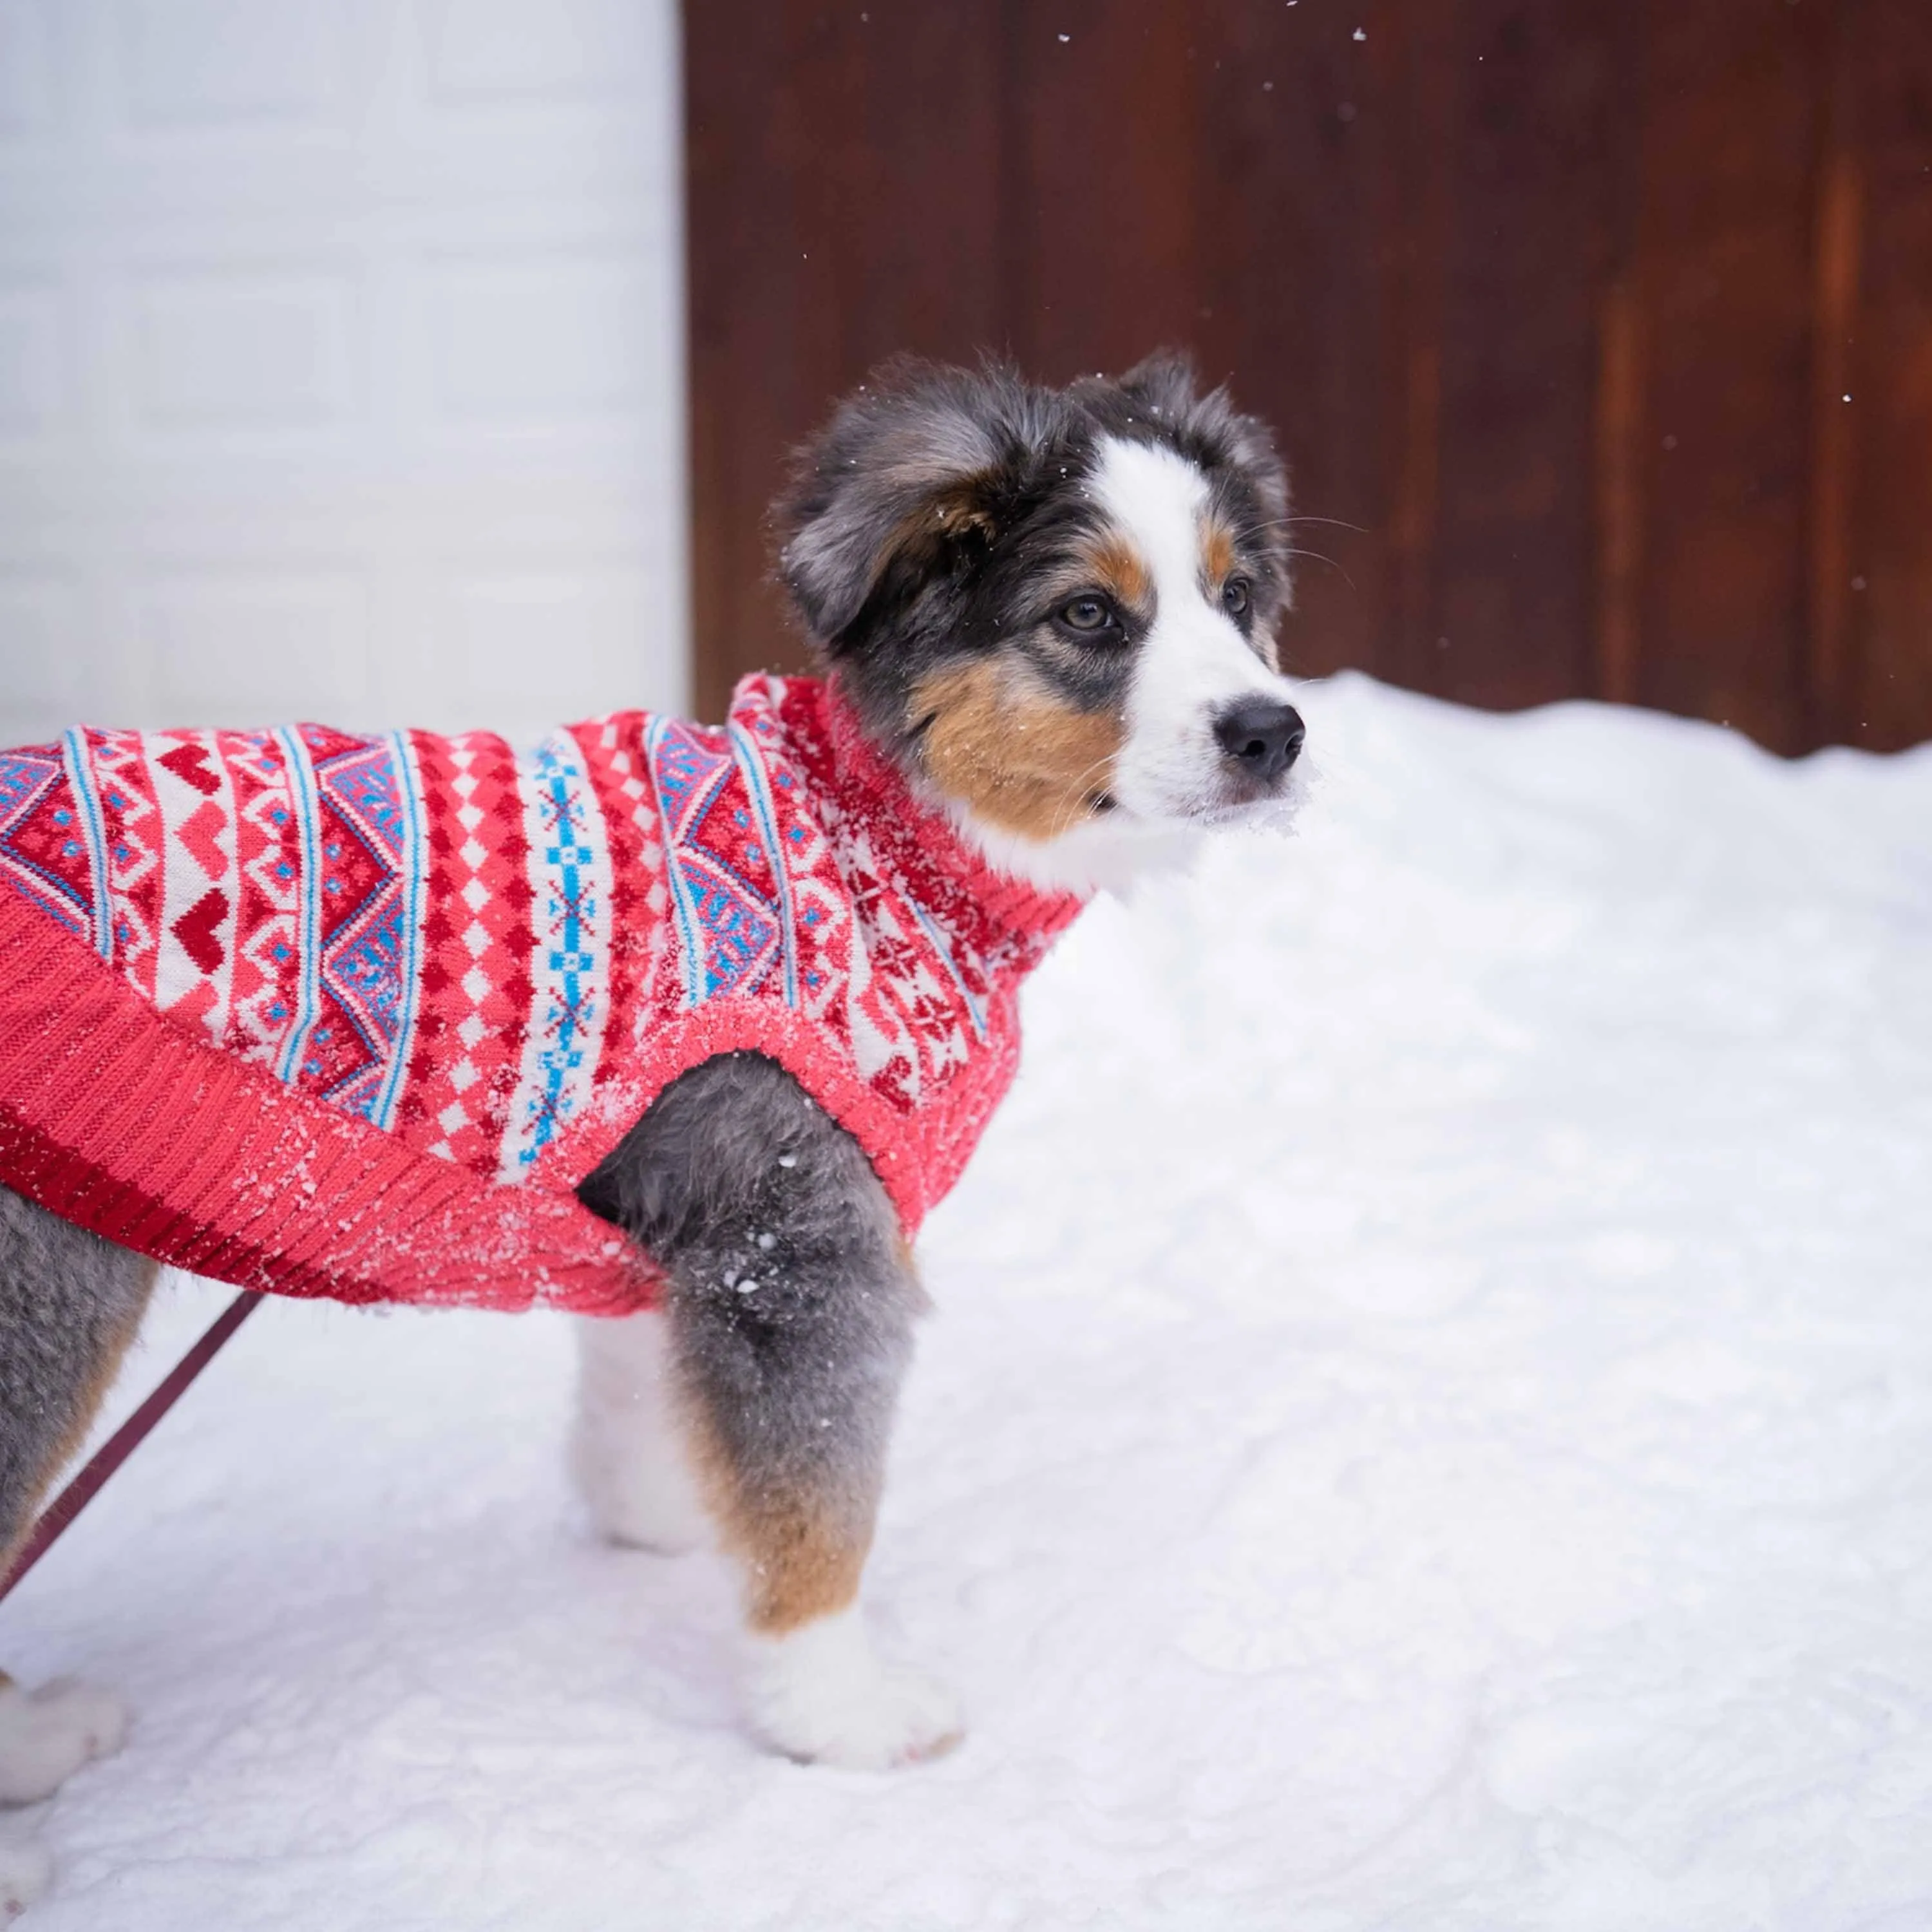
(345, 1015)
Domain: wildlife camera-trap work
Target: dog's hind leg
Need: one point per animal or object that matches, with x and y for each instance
(628, 1451)
(790, 1315)
(69, 1303)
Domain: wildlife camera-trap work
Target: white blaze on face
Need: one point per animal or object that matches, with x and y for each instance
(1194, 663)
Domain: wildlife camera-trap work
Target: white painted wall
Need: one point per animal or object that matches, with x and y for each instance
(340, 362)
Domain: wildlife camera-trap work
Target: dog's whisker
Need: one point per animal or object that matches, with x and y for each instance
(1079, 798)
(1316, 557)
(1284, 523)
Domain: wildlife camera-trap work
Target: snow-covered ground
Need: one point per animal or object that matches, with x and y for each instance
(1428, 1426)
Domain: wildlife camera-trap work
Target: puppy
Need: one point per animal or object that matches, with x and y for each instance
(1046, 619)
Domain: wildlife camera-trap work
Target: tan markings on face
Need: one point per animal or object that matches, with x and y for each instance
(1119, 569)
(1219, 560)
(1021, 759)
(1217, 553)
(802, 1554)
(1108, 561)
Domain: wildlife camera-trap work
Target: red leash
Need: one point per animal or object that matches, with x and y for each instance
(126, 1440)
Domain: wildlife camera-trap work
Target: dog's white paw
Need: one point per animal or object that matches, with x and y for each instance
(26, 1870)
(47, 1735)
(821, 1694)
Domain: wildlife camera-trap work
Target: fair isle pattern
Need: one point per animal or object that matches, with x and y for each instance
(130, 822)
(571, 878)
(914, 999)
(495, 959)
(194, 794)
(369, 965)
(477, 949)
(268, 883)
(612, 752)
(728, 932)
(350, 927)
(89, 825)
(39, 841)
(763, 852)
(262, 888)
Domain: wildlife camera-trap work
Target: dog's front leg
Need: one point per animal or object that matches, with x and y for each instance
(789, 1407)
(790, 1316)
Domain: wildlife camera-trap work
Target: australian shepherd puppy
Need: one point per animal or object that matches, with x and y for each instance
(1054, 611)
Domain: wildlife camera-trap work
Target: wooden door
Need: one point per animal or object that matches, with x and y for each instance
(1598, 332)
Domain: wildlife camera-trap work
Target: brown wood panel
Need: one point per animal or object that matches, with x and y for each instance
(1105, 193)
(1836, 281)
(1886, 699)
(1291, 129)
(844, 195)
(1541, 135)
(1416, 83)
(1730, 144)
(1620, 437)
(1554, 303)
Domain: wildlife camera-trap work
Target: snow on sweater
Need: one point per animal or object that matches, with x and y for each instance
(350, 1015)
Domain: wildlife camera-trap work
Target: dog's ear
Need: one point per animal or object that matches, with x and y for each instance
(903, 484)
(1166, 385)
(1165, 382)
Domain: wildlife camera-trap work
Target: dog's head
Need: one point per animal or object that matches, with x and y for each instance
(1054, 607)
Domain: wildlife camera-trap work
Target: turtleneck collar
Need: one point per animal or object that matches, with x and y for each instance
(918, 838)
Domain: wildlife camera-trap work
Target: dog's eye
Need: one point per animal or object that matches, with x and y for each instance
(1087, 613)
(1235, 596)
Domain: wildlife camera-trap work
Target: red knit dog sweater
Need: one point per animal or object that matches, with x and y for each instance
(344, 1016)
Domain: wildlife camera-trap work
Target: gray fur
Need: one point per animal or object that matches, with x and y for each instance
(735, 1176)
(69, 1301)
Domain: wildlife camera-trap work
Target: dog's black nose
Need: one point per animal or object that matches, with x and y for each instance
(1263, 737)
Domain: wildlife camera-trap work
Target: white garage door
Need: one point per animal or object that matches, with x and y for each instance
(340, 362)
